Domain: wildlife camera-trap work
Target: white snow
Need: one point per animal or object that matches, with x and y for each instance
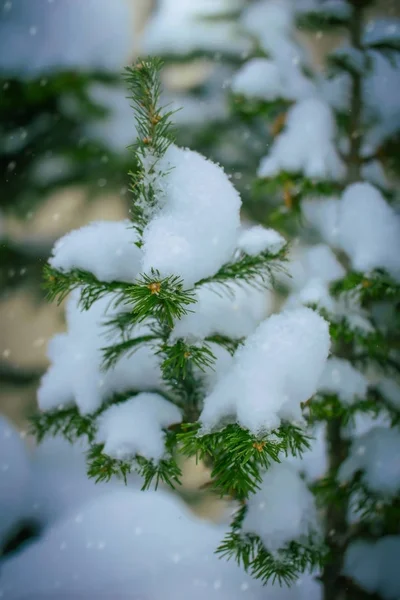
(259, 78)
(75, 374)
(220, 367)
(234, 313)
(362, 224)
(323, 214)
(313, 463)
(282, 510)
(264, 79)
(307, 145)
(369, 229)
(377, 455)
(311, 270)
(341, 378)
(59, 34)
(185, 26)
(136, 427)
(271, 22)
(195, 230)
(353, 57)
(124, 544)
(391, 391)
(257, 239)
(315, 292)
(59, 484)
(373, 172)
(374, 565)
(314, 262)
(194, 111)
(386, 30)
(14, 479)
(105, 248)
(276, 370)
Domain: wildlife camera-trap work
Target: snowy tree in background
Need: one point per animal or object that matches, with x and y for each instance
(167, 351)
(203, 43)
(331, 166)
(61, 109)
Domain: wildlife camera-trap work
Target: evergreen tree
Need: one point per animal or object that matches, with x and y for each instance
(331, 167)
(167, 352)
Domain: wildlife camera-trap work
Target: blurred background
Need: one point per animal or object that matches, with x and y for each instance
(65, 125)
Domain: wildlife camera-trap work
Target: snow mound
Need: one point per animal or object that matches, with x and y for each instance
(75, 374)
(377, 455)
(375, 565)
(282, 510)
(307, 144)
(276, 370)
(182, 238)
(369, 230)
(341, 378)
(125, 543)
(185, 26)
(105, 248)
(258, 239)
(14, 479)
(136, 427)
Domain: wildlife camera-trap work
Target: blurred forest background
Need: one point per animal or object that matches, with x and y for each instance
(65, 125)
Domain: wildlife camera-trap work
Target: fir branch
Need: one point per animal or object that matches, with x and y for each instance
(283, 567)
(249, 109)
(59, 285)
(67, 422)
(257, 271)
(376, 285)
(112, 354)
(363, 347)
(102, 467)
(323, 407)
(154, 131)
(179, 356)
(70, 423)
(322, 19)
(238, 457)
(164, 299)
(229, 344)
(300, 187)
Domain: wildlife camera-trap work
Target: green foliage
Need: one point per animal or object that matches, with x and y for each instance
(324, 407)
(154, 131)
(180, 357)
(112, 354)
(251, 108)
(342, 61)
(322, 20)
(31, 112)
(257, 271)
(164, 299)
(58, 285)
(376, 285)
(283, 566)
(237, 456)
(67, 422)
(103, 467)
(388, 46)
(298, 185)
